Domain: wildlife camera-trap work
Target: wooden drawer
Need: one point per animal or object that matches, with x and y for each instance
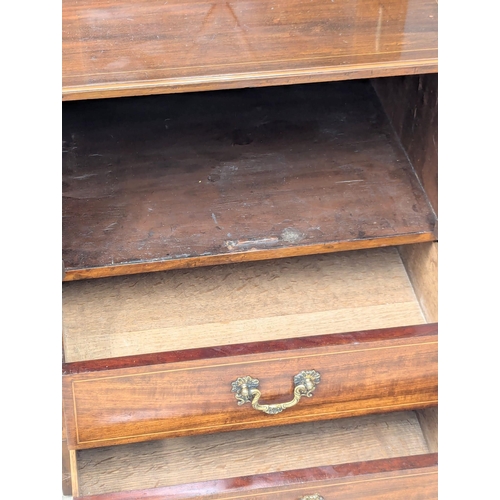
(131, 398)
(385, 456)
(357, 373)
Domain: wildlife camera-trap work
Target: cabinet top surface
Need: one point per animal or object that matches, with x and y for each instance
(114, 48)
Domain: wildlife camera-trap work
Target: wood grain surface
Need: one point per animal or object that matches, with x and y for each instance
(187, 180)
(411, 477)
(137, 47)
(238, 303)
(192, 397)
(66, 469)
(428, 419)
(260, 347)
(421, 263)
(411, 103)
(66, 463)
(244, 453)
(75, 489)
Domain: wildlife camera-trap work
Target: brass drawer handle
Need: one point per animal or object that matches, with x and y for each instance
(246, 391)
(312, 497)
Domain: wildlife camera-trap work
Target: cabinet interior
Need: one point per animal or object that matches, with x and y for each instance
(186, 180)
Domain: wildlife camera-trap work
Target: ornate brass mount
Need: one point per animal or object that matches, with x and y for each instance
(246, 391)
(312, 497)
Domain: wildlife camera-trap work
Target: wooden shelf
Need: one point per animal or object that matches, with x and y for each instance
(176, 181)
(134, 47)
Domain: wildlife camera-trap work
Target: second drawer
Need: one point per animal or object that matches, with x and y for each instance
(346, 374)
(136, 397)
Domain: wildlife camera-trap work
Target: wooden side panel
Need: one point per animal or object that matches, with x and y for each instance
(125, 48)
(411, 103)
(413, 478)
(66, 463)
(421, 262)
(138, 403)
(428, 419)
(66, 469)
(74, 473)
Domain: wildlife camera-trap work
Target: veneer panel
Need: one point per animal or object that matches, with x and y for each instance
(124, 48)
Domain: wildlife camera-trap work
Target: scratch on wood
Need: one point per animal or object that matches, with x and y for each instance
(85, 176)
(108, 228)
(289, 234)
(247, 244)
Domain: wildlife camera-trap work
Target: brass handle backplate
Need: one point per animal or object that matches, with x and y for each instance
(246, 391)
(312, 497)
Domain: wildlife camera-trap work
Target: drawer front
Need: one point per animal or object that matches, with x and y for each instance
(408, 478)
(192, 392)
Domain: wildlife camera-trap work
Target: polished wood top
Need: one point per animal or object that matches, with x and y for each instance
(137, 47)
